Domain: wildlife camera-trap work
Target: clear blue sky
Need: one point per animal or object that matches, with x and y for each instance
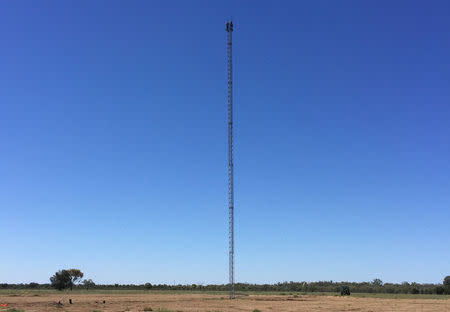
(113, 140)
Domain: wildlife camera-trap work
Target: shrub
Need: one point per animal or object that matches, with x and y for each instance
(88, 283)
(148, 286)
(390, 289)
(345, 291)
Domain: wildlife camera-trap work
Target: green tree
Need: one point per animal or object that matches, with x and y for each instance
(148, 286)
(61, 280)
(446, 283)
(377, 282)
(75, 276)
(88, 283)
(439, 290)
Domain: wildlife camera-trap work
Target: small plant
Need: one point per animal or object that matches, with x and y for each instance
(148, 309)
(14, 310)
(256, 310)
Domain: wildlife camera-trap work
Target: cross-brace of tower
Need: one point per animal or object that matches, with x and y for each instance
(230, 159)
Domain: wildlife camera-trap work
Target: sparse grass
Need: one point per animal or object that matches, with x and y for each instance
(400, 296)
(148, 309)
(14, 310)
(256, 310)
(43, 292)
(96, 311)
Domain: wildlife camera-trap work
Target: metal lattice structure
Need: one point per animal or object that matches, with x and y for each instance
(230, 159)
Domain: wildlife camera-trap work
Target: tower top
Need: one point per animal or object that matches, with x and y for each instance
(230, 26)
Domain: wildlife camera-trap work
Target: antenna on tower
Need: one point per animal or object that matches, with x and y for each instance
(230, 159)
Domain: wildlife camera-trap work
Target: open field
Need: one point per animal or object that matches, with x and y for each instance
(34, 301)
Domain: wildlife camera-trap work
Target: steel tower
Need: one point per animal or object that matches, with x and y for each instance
(230, 159)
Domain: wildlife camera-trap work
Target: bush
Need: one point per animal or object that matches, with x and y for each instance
(88, 283)
(415, 291)
(345, 291)
(390, 289)
(440, 290)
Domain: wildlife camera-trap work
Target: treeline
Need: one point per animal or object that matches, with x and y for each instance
(376, 286)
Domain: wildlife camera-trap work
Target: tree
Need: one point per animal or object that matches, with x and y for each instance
(447, 284)
(66, 279)
(439, 290)
(377, 282)
(88, 283)
(61, 280)
(446, 281)
(75, 276)
(148, 286)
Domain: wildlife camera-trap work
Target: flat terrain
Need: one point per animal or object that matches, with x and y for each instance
(203, 302)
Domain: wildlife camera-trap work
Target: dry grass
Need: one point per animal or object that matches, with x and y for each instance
(170, 302)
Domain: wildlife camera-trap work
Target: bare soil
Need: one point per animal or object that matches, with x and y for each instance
(213, 303)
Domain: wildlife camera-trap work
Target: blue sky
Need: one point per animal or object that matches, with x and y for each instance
(113, 140)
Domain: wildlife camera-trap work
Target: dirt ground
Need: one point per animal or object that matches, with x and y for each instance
(213, 303)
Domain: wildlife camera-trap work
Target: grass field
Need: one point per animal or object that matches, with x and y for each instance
(40, 292)
(135, 300)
